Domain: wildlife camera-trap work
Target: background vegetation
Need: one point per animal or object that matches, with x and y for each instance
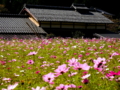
(14, 6)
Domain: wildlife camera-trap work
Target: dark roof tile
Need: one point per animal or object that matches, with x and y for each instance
(46, 14)
(18, 24)
(107, 35)
(79, 6)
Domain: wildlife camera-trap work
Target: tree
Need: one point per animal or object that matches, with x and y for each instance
(3, 9)
(14, 6)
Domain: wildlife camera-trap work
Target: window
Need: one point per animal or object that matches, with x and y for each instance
(100, 26)
(67, 25)
(45, 24)
(91, 26)
(79, 25)
(55, 24)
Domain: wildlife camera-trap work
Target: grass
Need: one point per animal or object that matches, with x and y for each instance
(48, 54)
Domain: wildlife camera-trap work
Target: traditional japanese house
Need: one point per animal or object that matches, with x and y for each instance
(66, 21)
(12, 25)
(41, 20)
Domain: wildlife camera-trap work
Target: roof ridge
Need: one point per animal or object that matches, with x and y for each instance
(48, 7)
(13, 15)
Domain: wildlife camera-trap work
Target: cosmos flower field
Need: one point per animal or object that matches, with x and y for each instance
(60, 64)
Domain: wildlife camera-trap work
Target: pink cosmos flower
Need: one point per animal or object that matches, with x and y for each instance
(72, 61)
(62, 87)
(6, 79)
(114, 54)
(29, 67)
(61, 69)
(118, 79)
(79, 66)
(64, 52)
(11, 87)
(87, 54)
(38, 88)
(13, 60)
(72, 74)
(49, 78)
(40, 57)
(99, 63)
(72, 86)
(30, 62)
(85, 66)
(53, 56)
(32, 53)
(57, 61)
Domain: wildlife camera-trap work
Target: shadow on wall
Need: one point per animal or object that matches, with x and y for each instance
(64, 33)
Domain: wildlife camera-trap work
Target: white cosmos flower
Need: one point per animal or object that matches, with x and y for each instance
(21, 70)
(1, 55)
(85, 76)
(74, 46)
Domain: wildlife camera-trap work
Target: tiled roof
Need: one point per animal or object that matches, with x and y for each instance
(66, 15)
(18, 24)
(79, 6)
(107, 35)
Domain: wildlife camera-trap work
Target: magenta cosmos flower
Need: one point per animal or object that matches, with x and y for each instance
(49, 78)
(32, 53)
(37, 72)
(30, 62)
(85, 81)
(2, 62)
(111, 73)
(61, 69)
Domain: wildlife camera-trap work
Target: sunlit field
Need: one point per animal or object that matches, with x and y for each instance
(60, 64)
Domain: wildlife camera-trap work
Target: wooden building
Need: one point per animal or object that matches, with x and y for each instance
(41, 20)
(12, 25)
(66, 20)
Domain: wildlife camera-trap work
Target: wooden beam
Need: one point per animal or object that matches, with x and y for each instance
(34, 21)
(30, 14)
